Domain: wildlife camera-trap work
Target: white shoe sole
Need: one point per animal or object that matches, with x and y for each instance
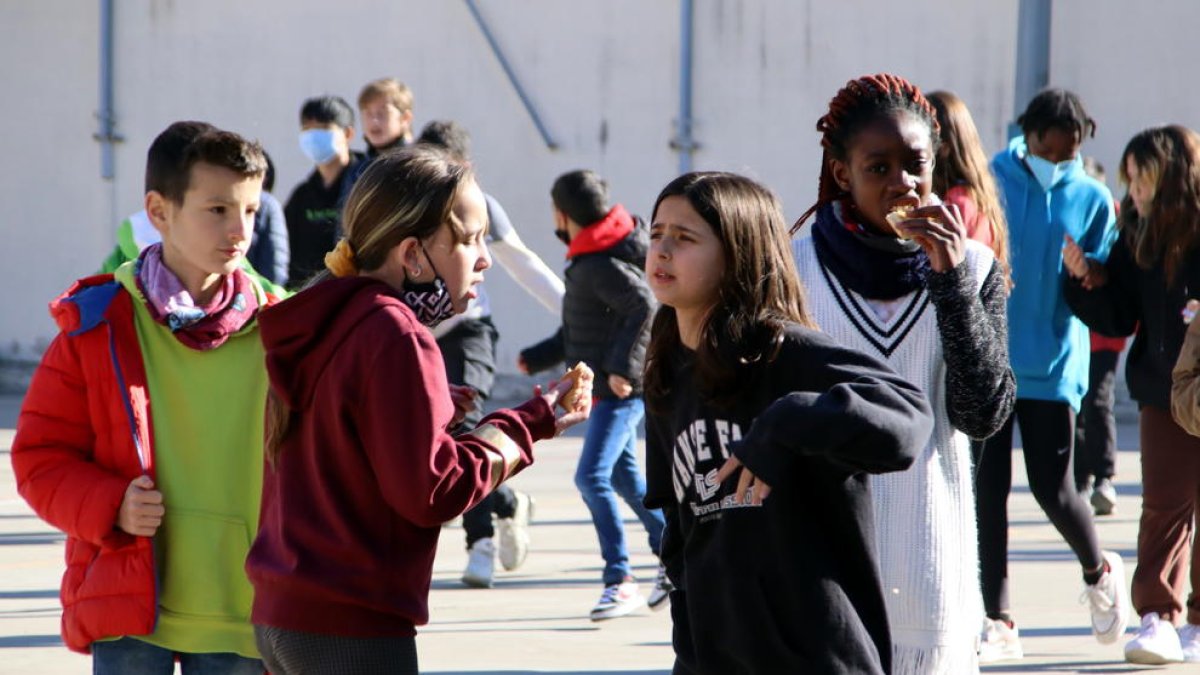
(476, 582)
(1148, 658)
(1000, 658)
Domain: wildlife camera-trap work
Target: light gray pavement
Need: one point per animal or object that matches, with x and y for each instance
(534, 620)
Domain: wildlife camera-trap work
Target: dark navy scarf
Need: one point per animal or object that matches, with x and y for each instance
(875, 266)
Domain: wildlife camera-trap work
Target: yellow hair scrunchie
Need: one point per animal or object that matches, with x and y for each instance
(340, 260)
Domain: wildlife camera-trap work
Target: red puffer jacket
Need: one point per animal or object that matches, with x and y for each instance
(82, 436)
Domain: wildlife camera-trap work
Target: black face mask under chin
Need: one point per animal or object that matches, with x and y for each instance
(430, 301)
(563, 236)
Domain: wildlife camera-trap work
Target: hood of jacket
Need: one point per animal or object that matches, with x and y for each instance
(619, 235)
(301, 334)
(82, 306)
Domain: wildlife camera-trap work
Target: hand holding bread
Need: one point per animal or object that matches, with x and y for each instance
(572, 393)
(937, 227)
(582, 378)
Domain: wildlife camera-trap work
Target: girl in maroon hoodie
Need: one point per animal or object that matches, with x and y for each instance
(363, 472)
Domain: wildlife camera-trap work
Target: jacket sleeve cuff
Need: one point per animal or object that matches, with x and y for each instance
(98, 521)
(538, 417)
(534, 416)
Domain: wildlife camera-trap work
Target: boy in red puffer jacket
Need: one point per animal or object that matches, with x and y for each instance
(141, 434)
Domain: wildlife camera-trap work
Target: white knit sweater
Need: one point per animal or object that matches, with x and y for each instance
(924, 517)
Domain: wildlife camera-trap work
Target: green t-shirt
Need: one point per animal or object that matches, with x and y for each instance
(206, 411)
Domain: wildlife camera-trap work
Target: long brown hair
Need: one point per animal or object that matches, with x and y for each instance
(1170, 155)
(853, 107)
(962, 161)
(760, 291)
(404, 193)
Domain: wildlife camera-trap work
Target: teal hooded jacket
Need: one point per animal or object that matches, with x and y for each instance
(1047, 344)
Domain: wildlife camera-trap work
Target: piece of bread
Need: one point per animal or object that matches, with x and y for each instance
(581, 385)
(899, 215)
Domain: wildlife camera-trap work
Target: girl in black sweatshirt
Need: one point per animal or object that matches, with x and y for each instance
(1143, 288)
(774, 565)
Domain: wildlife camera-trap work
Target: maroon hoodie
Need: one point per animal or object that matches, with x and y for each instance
(367, 472)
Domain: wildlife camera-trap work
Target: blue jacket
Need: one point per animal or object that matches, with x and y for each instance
(269, 248)
(1047, 344)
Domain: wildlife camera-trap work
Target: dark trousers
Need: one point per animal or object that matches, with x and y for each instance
(1047, 434)
(1096, 428)
(469, 351)
(1168, 559)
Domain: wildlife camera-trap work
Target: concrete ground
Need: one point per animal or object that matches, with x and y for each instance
(535, 619)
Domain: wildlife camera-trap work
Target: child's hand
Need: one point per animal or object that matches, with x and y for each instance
(142, 508)
(566, 418)
(747, 483)
(463, 398)
(522, 366)
(1090, 274)
(1073, 258)
(939, 229)
(620, 386)
(1189, 311)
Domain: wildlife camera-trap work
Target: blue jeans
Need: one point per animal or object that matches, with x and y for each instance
(131, 656)
(609, 463)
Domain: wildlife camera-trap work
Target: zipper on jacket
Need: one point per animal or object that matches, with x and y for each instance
(143, 460)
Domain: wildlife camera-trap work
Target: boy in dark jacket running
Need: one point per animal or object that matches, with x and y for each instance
(606, 324)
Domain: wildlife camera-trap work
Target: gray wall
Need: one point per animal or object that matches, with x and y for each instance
(604, 75)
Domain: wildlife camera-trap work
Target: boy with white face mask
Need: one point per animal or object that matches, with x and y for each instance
(1049, 200)
(326, 129)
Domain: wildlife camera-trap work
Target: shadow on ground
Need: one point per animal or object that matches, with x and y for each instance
(25, 641)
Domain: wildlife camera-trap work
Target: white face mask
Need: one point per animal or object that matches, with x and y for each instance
(1047, 173)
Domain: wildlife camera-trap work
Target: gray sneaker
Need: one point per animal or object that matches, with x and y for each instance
(1104, 497)
(514, 532)
(617, 600)
(660, 597)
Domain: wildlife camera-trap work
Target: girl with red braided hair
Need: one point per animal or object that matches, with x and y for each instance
(891, 271)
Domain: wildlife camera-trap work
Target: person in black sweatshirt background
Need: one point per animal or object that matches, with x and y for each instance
(760, 433)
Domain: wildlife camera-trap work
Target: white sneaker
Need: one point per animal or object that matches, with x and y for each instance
(1156, 643)
(660, 597)
(1189, 641)
(1108, 601)
(618, 600)
(1104, 497)
(514, 532)
(999, 642)
(481, 564)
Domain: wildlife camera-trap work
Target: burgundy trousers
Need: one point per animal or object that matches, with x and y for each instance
(1167, 560)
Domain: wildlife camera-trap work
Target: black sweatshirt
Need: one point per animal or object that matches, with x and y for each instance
(791, 586)
(313, 214)
(1141, 300)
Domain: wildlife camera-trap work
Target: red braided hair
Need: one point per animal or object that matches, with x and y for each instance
(859, 101)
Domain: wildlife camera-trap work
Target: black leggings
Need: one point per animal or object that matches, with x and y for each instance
(1047, 434)
(1096, 428)
(289, 652)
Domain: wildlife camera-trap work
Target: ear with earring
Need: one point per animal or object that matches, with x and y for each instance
(412, 263)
